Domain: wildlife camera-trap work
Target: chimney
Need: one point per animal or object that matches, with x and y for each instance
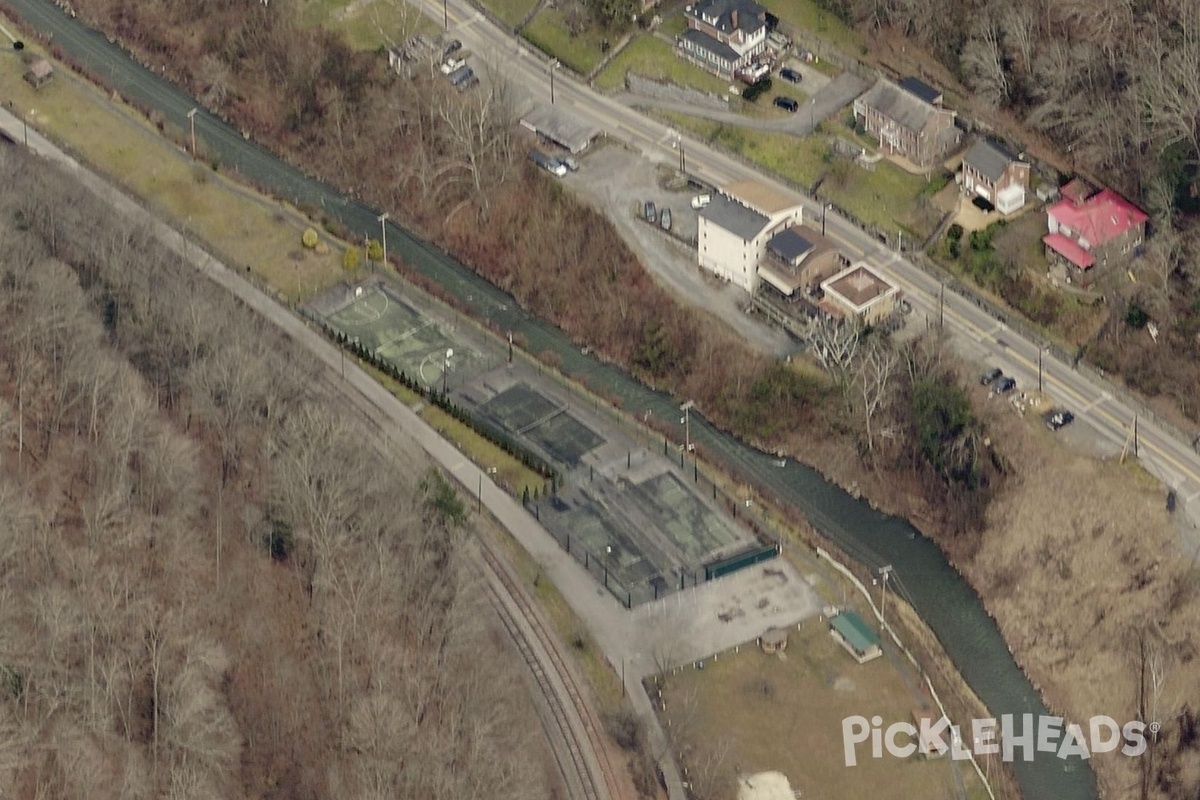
(733, 18)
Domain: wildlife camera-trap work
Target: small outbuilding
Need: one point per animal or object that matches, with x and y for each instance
(853, 633)
(40, 73)
(774, 640)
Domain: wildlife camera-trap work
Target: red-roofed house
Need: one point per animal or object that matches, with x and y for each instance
(1089, 234)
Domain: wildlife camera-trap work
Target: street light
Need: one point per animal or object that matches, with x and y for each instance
(553, 67)
(479, 506)
(446, 369)
(1041, 351)
(686, 408)
(445, 16)
(607, 556)
(383, 218)
(884, 574)
(824, 208)
(812, 115)
(191, 115)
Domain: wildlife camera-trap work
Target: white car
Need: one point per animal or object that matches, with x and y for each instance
(701, 200)
(451, 65)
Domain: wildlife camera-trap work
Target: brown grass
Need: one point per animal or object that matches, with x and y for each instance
(785, 714)
(1079, 559)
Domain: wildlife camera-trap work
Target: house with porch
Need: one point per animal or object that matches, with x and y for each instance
(1090, 233)
(908, 120)
(797, 260)
(990, 171)
(723, 36)
(735, 227)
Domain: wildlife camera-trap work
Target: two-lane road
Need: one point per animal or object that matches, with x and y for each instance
(976, 333)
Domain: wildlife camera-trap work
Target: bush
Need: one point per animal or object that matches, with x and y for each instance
(310, 238)
(374, 250)
(756, 90)
(625, 729)
(351, 258)
(955, 232)
(1136, 317)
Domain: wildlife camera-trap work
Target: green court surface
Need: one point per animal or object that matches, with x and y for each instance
(398, 333)
(525, 412)
(691, 525)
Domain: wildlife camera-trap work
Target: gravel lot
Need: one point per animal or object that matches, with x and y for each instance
(612, 180)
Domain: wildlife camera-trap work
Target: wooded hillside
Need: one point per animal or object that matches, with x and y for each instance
(211, 584)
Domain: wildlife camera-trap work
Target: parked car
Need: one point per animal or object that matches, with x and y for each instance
(451, 65)
(790, 75)
(453, 46)
(1003, 385)
(664, 219)
(787, 104)
(701, 200)
(990, 377)
(461, 75)
(551, 165)
(651, 211)
(469, 83)
(1059, 419)
(570, 163)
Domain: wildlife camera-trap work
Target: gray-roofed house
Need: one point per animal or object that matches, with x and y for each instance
(735, 227)
(907, 124)
(723, 36)
(992, 172)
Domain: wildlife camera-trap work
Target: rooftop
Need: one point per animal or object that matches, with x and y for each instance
(896, 104)
(561, 126)
(922, 90)
(858, 286)
(1099, 219)
(760, 197)
(855, 631)
(1069, 250)
(731, 15)
(789, 245)
(734, 217)
(989, 159)
(1077, 190)
(706, 42)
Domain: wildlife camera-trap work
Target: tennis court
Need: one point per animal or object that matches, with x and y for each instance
(591, 532)
(525, 412)
(398, 333)
(683, 517)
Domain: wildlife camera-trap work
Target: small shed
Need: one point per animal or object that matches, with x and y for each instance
(852, 633)
(774, 640)
(39, 73)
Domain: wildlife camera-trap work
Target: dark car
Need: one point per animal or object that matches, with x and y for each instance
(1059, 419)
(787, 104)
(791, 75)
(990, 377)
(651, 212)
(453, 47)
(1003, 385)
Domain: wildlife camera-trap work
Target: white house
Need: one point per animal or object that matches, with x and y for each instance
(735, 227)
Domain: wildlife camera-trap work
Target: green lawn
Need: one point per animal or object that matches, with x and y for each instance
(510, 11)
(368, 25)
(673, 25)
(809, 15)
(798, 160)
(651, 57)
(886, 197)
(548, 32)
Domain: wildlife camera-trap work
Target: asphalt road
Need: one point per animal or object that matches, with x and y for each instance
(979, 335)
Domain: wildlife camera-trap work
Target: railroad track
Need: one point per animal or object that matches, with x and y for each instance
(569, 745)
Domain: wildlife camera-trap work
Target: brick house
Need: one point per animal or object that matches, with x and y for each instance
(908, 120)
(1087, 235)
(723, 36)
(990, 171)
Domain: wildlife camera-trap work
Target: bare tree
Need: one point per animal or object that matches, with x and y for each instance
(873, 378)
(834, 344)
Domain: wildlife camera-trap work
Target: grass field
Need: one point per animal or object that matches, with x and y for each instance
(253, 231)
(510, 11)
(786, 714)
(651, 57)
(548, 32)
(886, 196)
(798, 160)
(807, 14)
(367, 25)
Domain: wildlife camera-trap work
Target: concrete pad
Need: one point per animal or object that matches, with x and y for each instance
(716, 616)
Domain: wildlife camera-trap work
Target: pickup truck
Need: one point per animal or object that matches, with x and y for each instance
(551, 165)
(451, 65)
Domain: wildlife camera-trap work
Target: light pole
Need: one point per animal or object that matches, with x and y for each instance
(553, 68)
(1041, 350)
(607, 556)
(686, 408)
(445, 15)
(191, 115)
(446, 369)
(383, 218)
(812, 115)
(479, 505)
(824, 209)
(884, 574)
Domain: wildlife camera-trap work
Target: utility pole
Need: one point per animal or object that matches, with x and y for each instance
(445, 15)
(1041, 350)
(824, 209)
(1135, 436)
(383, 218)
(446, 371)
(191, 115)
(553, 68)
(942, 306)
(686, 408)
(884, 574)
